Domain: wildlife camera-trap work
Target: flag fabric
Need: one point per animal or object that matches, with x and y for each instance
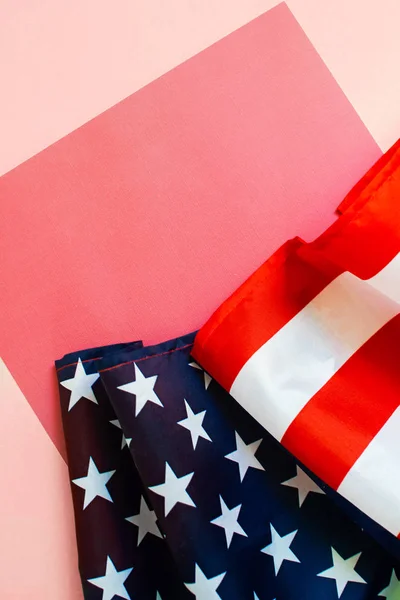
(309, 346)
(107, 490)
(179, 493)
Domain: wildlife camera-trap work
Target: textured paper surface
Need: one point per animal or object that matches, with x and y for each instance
(57, 72)
(141, 222)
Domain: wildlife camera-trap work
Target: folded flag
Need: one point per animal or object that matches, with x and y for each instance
(107, 491)
(309, 347)
(179, 493)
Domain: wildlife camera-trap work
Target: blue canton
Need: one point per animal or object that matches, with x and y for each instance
(180, 494)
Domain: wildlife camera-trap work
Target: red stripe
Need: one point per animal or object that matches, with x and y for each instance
(372, 179)
(274, 294)
(367, 236)
(363, 240)
(339, 422)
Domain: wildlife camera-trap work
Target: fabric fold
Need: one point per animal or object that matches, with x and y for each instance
(107, 490)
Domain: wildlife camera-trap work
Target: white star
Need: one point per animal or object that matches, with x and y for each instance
(392, 591)
(279, 548)
(94, 484)
(229, 521)
(112, 583)
(342, 571)
(207, 377)
(173, 489)
(244, 455)
(194, 424)
(80, 385)
(146, 521)
(203, 588)
(304, 485)
(143, 389)
(125, 441)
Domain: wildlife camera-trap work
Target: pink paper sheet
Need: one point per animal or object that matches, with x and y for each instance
(142, 221)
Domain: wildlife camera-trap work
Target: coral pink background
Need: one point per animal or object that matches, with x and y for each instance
(139, 223)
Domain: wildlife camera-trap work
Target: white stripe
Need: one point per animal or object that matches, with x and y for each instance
(283, 375)
(373, 483)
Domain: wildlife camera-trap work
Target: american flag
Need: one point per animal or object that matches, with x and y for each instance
(180, 493)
